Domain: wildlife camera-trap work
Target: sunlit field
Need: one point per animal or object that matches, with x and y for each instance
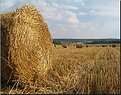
(86, 70)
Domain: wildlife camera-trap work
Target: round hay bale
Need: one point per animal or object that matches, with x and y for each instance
(65, 46)
(113, 45)
(104, 45)
(87, 46)
(26, 45)
(109, 45)
(79, 45)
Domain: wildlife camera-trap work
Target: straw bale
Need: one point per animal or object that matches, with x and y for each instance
(113, 45)
(79, 45)
(26, 45)
(104, 45)
(86, 45)
(65, 46)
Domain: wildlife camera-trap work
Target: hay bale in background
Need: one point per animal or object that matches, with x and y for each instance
(65, 46)
(113, 45)
(86, 45)
(104, 45)
(79, 45)
(26, 45)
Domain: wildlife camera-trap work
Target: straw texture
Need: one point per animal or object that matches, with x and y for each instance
(26, 45)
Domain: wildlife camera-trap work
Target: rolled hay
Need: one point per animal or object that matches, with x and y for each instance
(109, 45)
(113, 45)
(26, 46)
(79, 45)
(104, 45)
(87, 46)
(65, 46)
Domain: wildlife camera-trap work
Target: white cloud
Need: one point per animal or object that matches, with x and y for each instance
(64, 7)
(101, 12)
(39, 3)
(67, 18)
(70, 17)
(82, 13)
(53, 17)
(69, 8)
(83, 30)
(95, 12)
(77, 1)
(54, 12)
(105, 8)
(105, 12)
(7, 4)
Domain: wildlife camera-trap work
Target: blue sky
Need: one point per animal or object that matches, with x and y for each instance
(75, 18)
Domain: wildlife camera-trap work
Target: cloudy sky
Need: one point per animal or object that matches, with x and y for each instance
(75, 18)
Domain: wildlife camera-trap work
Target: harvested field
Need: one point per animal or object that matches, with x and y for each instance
(92, 70)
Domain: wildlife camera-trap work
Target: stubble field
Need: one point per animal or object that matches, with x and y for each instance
(87, 70)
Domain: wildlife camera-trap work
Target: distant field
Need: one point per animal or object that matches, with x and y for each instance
(88, 45)
(87, 41)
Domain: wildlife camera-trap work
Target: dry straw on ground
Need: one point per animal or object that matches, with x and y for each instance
(107, 71)
(103, 73)
(97, 75)
(26, 46)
